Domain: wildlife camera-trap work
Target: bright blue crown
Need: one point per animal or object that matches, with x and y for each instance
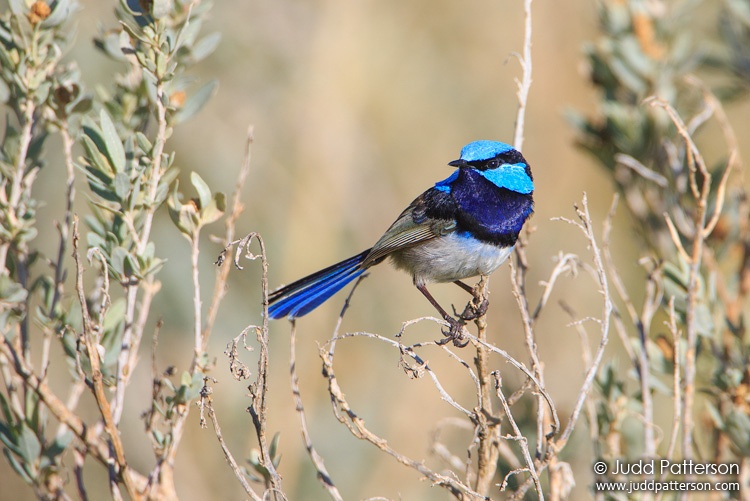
(483, 150)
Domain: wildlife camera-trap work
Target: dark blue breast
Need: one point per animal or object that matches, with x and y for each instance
(491, 214)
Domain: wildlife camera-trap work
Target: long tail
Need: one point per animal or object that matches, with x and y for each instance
(306, 294)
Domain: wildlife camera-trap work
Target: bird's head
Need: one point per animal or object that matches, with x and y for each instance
(498, 162)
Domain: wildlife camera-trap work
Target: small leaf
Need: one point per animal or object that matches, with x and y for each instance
(111, 44)
(7, 415)
(143, 142)
(715, 415)
(4, 92)
(83, 105)
(273, 448)
(94, 240)
(11, 291)
(122, 185)
(17, 467)
(61, 10)
(214, 210)
(135, 194)
(204, 192)
(205, 46)
(61, 443)
(738, 428)
(115, 150)
(29, 447)
(161, 8)
(115, 315)
(158, 437)
(93, 142)
(117, 261)
(196, 102)
(18, 7)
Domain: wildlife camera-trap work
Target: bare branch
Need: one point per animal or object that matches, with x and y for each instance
(222, 273)
(110, 424)
(357, 427)
(205, 401)
(525, 84)
(323, 476)
(518, 437)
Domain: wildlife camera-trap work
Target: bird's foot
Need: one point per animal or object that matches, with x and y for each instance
(454, 333)
(473, 311)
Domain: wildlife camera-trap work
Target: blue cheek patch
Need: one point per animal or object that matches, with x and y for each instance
(510, 176)
(445, 184)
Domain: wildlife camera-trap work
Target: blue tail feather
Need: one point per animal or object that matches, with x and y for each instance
(304, 295)
(312, 298)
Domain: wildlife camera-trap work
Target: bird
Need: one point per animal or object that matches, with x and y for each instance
(463, 226)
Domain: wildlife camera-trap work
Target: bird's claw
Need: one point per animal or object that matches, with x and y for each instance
(472, 311)
(454, 333)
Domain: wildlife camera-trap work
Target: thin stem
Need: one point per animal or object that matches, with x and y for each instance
(222, 272)
(518, 282)
(26, 118)
(241, 476)
(356, 425)
(131, 337)
(323, 476)
(487, 426)
(585, 225)
(64, 229)
(607, 308)
(701, 195)
(19, 170)
(102, 402)
(642, 325)
(197, 303)
(525, 84)
(259, 389)
(517, 436)
(65, 225)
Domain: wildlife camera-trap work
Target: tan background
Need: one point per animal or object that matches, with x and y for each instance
(357, 108)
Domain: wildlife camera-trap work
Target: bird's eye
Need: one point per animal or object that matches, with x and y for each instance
(493, 164)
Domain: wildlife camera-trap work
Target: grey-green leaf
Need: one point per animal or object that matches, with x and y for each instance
(205, 46)
(29, 447)
(60, 13)
(115, 150)
(204, 192)
(122, 185)
(196, 102)
(161, 8)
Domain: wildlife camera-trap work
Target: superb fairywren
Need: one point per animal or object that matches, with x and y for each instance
(465, 225)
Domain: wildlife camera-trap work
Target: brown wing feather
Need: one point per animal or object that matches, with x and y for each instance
(405, 232)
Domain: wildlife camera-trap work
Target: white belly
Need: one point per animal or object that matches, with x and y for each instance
(448, 258)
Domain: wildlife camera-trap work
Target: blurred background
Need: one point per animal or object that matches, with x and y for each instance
(357, 107)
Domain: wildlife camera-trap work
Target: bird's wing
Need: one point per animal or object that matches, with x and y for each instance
(412, 227)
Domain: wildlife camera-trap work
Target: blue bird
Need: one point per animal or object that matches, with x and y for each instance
(465, 225)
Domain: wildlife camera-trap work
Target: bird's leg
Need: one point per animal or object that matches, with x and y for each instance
(464, 286)
(472, 310)
(455, 331)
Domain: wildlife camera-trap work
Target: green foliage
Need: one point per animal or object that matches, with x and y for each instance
(119, 176)
(733, 64)
(258, 472)
(651, 49)
(190, 217)
(122, 131)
